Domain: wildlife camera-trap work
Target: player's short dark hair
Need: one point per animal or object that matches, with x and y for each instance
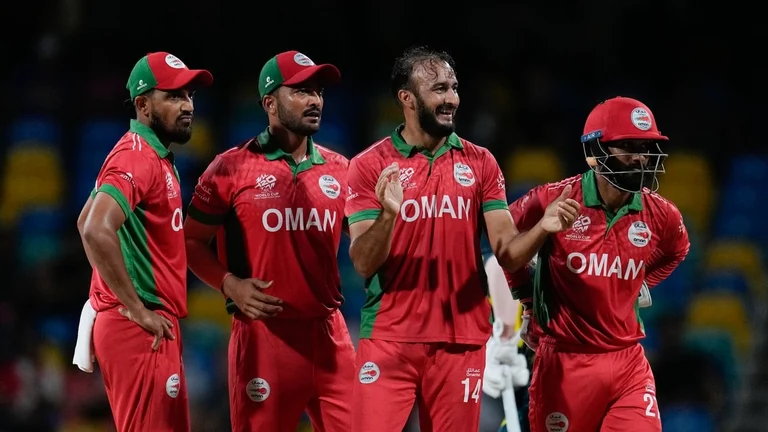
(402, 71)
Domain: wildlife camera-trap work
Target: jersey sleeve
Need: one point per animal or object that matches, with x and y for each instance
(212, 198)
(526, 212)
(494, 192)
(362, 203)
(127, 176)
(671, 250)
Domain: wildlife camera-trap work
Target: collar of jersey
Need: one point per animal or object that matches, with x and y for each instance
(149, 136)
(409, 150)
(273, 152)
(592, 198)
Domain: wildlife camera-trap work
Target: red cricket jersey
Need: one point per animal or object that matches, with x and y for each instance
(432, 287)
(140, 175)
(589, 277)
(281, 221)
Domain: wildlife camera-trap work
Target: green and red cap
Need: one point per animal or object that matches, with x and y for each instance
(164, 71)
(292, 68)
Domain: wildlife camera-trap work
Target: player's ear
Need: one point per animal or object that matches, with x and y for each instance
(406, 98)
(142, 104)
(269, 103)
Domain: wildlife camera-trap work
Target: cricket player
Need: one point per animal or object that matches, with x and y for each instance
(277, 205)
(418, 200)
(581, 310)
(131, 228)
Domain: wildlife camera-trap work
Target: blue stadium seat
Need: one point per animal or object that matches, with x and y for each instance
(96, 140)
(720, 345)
(35, 131)
(38, 235)
(517, 190)
(726, 280)
(240, 131)
(686, 419)
(749, 169)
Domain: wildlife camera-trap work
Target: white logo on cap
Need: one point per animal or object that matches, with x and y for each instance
(641, 118)
(141, 85)
(174, 62)
(269, 82)
(302, 60)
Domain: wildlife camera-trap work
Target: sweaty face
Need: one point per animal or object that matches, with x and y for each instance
(437, 97)
(170, 115)
(299, 109)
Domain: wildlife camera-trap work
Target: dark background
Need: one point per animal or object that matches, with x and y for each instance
(529, 74)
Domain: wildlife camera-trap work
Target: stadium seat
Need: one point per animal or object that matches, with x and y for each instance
(726, 280)
(529, 165)
(241, 130)
(34, 132)
(720, 345)
(205, 304)
(679, 418)
(202, 146)
(743, 257)
(749, 170)
(38, 235)
(31, 177)
(723, 311)
(688, 182)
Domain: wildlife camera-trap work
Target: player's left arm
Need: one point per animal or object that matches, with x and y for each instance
(671, 250)
(512, 248)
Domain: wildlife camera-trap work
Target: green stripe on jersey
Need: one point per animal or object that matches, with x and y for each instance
(370, 309)
(203, 217)
(363, 215)
(134, 246)
(495, 205)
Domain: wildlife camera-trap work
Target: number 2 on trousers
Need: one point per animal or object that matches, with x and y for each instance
(475, 392)
(651, 400)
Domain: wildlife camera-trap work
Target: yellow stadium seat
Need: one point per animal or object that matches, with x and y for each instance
(527, 165)
(203, 303)
(202, 145)
(740, 256)
(31, 177)
(722, 311)
(688, 183)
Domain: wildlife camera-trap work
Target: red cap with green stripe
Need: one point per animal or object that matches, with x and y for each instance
(292, 68)
(164, 71)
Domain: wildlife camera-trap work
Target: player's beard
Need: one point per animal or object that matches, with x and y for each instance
(175, 134)
(630, 177)
(294, 122)
(428, 120)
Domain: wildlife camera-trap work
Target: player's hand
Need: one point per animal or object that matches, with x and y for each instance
(249, 297)
(525, 332)
(560, 213)
(152, 322)
(389, 190)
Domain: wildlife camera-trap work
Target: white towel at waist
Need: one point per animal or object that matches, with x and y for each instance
(84, 356)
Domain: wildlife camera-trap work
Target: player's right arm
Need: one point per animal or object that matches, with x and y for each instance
(123, 182)
(372, 209)
(211, 202)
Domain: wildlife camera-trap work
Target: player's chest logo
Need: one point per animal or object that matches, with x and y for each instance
(580, 231)
(265, 187)
(329, 186)
(463, 174)
(170, 185)
(407, 181)
(639, 234)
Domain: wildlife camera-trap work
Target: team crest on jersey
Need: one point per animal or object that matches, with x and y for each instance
(330, 186)
(406, 174)
(258, 389)
(173, 386)
(579, 229)
(265, 184)
(557, 422)
(463, 174)
(639, 234)
(369, 373)
(169, 185)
